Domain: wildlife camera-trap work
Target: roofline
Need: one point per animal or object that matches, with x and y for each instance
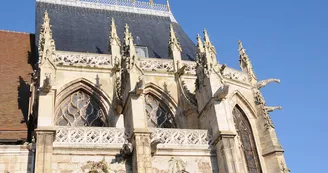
(138, 7)
(16, 32)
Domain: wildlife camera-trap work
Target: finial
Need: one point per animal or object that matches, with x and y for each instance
(200, 45)
(151, 2)
(241, 48)
(172, 33)
(168, 5)
(245, 64)
(174, 43)
(113, 34)
(126, 34)
(206, 37)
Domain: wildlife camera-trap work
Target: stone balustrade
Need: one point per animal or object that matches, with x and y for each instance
(88, 136)
(181, 137)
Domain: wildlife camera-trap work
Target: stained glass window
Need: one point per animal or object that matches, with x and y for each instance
(157, 115)
(80, 109)
(246, 137)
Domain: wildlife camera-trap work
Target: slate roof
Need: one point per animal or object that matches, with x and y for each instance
(82, 29)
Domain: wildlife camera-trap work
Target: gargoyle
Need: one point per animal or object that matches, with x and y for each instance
(127, 149)
(221, 93)
(153, 145)
(264, 83)
(272, 108)
(47, 83)
(222, 68)
(140, 86)
(181, 71)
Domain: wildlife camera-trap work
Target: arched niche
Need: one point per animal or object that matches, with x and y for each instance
(81, 103)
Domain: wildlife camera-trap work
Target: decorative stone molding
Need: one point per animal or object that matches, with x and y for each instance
(84, 136)
(181, 136)
(83, 59)
(156, 65)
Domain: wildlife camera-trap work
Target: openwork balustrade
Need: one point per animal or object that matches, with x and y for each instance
(158, 65)
(89, 136)
(181, 137)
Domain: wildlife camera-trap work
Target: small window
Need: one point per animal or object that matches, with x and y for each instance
(142, 51)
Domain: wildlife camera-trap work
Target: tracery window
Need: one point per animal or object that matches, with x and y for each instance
(246, 137)
(157, 115)
(80, 109)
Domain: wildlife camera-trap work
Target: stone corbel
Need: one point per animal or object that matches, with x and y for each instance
(221, 93)
(153, 145)
(264, 83)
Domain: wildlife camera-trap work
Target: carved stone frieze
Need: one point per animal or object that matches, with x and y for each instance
(83, 59)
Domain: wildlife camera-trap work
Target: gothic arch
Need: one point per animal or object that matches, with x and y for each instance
(237, 98)
(160, 107)
(164, 96)
(85, 89)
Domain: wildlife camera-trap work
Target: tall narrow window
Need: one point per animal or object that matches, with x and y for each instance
(245, 134)
(80, 109)
(157, 115)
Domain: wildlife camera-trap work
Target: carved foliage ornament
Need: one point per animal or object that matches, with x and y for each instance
(80, 109)
(246, 140)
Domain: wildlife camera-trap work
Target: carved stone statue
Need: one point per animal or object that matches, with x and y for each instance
(140, 85)
(47, 83)
(127, 149)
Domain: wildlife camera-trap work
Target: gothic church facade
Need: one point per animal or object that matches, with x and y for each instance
(118, 86)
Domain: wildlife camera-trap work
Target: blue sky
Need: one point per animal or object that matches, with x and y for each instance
(285, 39)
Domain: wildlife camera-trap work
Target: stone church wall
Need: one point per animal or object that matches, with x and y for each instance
(168, 164)
(85, 163)
(16, 159)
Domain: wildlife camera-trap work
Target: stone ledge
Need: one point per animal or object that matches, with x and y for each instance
(170, 150)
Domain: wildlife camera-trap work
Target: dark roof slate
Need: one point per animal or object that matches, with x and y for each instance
(83, 29)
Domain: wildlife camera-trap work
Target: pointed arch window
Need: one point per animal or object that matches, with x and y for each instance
(246, 137)
(158, 115)
(80, 109)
